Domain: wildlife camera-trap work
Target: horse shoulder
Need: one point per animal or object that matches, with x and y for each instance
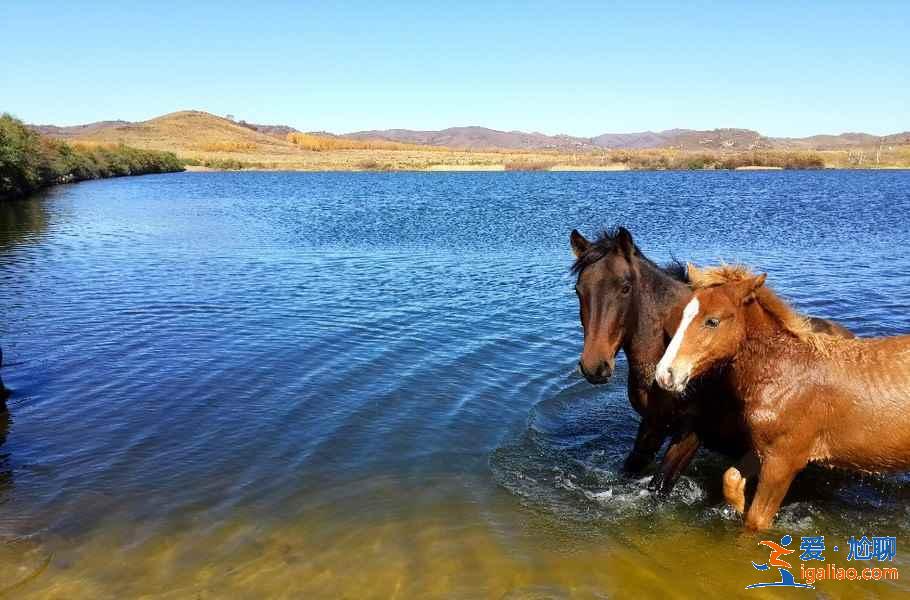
(779, 388)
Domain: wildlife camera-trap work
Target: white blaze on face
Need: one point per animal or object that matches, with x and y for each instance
(663, 367)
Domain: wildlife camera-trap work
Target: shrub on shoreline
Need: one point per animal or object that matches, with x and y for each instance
(222, 164)
(527, 165)
(659, 159)
(30, 161)
(323, 143)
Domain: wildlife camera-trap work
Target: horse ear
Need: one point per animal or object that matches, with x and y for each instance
(624, 240)
(579, 244)
(748, 287)
(694, 274)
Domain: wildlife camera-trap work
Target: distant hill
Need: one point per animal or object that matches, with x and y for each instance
(685, 139)
(280, 131)
(194, 131)
(184, 132)
(715, 139)
(644, 139)
(477, 138)
(841, 142)
(898, 138)
(480, 138)
(76, 130)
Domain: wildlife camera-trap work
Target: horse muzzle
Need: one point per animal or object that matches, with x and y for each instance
(672, 379)
(600, 375)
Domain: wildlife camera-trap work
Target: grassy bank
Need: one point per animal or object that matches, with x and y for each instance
(445, 160)
(29, 161)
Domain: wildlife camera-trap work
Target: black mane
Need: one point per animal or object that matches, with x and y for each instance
(677, 269)
(606, 243)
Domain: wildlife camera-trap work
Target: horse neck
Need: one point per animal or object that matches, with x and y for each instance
(762, 348)
(658, 293)
(762, 329)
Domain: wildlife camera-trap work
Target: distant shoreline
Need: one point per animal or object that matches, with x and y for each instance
(502, 169)
(433, 169)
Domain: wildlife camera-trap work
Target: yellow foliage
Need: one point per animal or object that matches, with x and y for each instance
(322, 143)
(228, 147)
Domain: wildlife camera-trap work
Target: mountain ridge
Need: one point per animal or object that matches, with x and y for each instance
(475, 137)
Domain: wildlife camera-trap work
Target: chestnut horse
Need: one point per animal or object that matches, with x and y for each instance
(806, 397)
(624, 301)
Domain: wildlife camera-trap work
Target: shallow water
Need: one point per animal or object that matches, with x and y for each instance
(362, 385)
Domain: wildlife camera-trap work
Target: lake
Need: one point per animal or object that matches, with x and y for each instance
(363, 385)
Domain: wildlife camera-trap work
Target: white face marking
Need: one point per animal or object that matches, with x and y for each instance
(663, 367)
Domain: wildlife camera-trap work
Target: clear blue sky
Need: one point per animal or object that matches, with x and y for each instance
(582, 68)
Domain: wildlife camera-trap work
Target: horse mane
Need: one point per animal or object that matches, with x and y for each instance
(677, 269)
(606, 243)
(793, 322)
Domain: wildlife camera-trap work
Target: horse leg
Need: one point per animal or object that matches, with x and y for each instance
(648, 441)
(777, 473)
(735, 481)
(679, 455)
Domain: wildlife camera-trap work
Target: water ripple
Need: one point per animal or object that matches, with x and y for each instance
(198, 352)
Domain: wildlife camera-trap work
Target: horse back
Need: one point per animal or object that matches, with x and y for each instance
(855, 404)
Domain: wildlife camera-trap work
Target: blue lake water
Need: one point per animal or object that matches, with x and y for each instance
(363, 385)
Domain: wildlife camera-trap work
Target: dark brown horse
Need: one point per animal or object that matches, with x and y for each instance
(806, 397)
(625, 300)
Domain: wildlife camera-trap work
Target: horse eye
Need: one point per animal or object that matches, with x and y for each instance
(626, 288)
(712, 323)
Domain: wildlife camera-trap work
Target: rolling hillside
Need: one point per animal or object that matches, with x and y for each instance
(185, 132)
(207, 140)
(478, 138)
(193, 131)
(211, 141)
(74, 131)
(484, 138)
(689, 140)
(842, 141)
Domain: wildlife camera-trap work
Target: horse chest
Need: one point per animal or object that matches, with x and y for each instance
(767, 406)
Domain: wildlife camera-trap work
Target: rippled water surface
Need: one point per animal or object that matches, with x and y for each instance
(362, 385)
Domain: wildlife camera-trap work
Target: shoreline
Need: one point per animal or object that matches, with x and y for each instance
(12, 197)
(33, 162)
(501, 168)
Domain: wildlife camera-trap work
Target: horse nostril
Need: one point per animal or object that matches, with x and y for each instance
(599, 374)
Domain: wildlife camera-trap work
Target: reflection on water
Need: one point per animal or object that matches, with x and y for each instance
(6, 471)
(22, 221)
(362, 385)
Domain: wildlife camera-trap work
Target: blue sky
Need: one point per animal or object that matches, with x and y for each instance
(582, 68)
